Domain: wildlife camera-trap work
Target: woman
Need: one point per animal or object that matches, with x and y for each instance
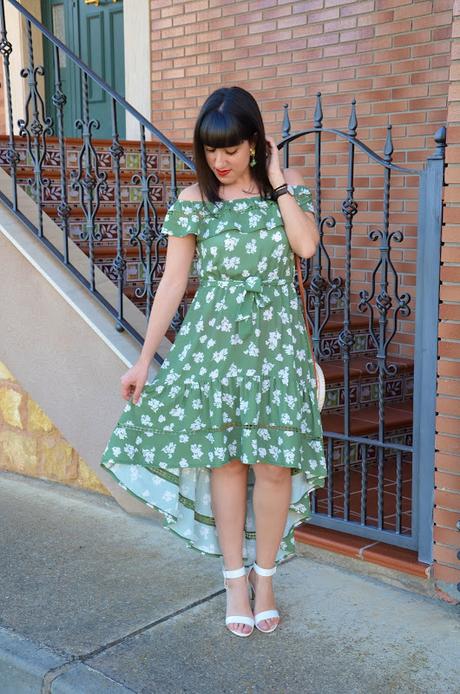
(227, 442)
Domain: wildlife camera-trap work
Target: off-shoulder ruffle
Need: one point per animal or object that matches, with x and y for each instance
(201, 218)
(182, 218)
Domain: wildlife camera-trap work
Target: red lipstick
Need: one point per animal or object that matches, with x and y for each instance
(224, 172)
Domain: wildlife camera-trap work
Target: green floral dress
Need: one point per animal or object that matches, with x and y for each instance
(238, 382)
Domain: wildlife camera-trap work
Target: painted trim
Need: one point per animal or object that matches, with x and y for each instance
(16, 33)
(136, 22)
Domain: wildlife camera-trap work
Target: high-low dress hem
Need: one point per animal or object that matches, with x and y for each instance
(197, 526)
(237, 383)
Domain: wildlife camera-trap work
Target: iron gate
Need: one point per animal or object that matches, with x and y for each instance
(380, 484)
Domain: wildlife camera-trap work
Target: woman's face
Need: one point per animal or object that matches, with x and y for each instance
(228, 163)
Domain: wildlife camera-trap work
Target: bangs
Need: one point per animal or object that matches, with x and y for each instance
(221, 130)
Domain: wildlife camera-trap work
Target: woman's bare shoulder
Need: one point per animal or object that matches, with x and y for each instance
(190, 193)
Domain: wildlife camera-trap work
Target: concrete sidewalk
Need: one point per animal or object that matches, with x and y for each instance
(96, 600)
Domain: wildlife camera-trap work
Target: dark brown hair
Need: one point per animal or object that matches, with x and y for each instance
(228, 116)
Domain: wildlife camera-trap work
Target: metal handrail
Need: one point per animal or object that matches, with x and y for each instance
(106, 87)
(391, 166)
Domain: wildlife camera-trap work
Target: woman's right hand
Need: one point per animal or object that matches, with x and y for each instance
(133, 381)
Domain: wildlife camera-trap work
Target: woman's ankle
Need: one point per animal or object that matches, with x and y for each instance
(232, 561)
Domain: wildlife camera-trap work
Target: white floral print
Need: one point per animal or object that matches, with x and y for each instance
(238, 381)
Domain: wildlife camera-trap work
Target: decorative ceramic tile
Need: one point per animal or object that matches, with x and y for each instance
(135, 194)
(133, 160)
(332, 398)
(152, 161)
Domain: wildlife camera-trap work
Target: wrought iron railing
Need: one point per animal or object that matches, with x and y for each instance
(36, 127)
(337, 301)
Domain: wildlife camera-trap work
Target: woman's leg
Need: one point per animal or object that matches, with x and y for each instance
(271, 499)
(228, 499)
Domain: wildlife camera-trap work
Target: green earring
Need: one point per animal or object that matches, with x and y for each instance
(252, 162)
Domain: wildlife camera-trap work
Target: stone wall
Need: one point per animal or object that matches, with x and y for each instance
(31, 445)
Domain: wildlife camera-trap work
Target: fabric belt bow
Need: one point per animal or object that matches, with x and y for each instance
(253, 299)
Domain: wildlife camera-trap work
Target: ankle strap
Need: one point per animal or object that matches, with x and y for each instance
(234, 573)
(264, 572)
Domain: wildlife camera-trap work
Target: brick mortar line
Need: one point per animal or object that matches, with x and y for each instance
(445, 563)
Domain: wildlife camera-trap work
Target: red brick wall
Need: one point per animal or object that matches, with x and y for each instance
(395, 57)
(447, 476)
(392, 55)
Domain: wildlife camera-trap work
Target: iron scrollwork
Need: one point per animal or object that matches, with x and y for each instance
(59, 101)
(145, 231)
(384, 301)
(12, 156)
(322, 287)
(119, 263)
(88, 180)
(36, 126)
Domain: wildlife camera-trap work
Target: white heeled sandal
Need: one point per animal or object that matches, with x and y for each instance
(237, 619)
(266, 614)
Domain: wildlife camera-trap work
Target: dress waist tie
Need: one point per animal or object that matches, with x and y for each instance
(251, 299)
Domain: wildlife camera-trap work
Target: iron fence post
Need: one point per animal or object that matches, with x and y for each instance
(426, 343)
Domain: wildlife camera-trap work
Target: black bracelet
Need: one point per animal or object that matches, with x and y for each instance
(279, 191)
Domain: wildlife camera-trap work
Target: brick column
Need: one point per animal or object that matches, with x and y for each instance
(447, 473)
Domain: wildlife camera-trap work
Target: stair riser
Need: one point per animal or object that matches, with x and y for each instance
(129, 195)
(364, 392)
(362, 344)
(157, 156)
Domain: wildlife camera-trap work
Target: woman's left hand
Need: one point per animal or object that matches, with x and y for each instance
(275, 174)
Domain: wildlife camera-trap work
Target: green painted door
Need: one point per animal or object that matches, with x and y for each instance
(94, 32)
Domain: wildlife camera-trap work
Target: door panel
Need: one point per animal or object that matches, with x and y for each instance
(94, 32)
(94, 49)
(55, 16)
(101, 40)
